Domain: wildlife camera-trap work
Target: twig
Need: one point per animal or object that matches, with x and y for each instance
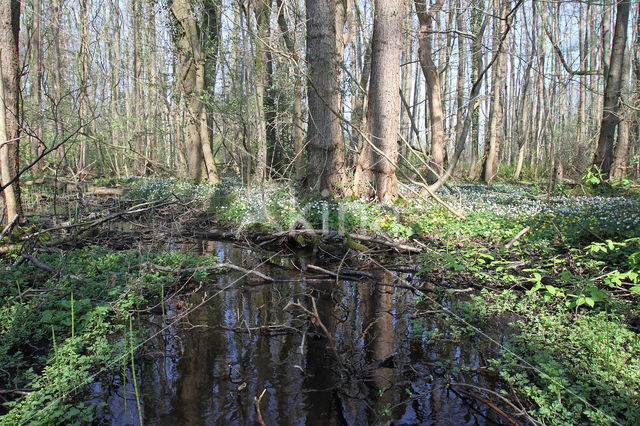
(8, 227)
(517, 237)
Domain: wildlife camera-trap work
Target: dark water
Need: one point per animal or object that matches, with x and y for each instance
(380, 364)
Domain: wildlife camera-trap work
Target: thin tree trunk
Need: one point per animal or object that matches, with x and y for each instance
(36, 82)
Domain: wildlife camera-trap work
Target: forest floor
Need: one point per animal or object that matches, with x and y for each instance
(563, 268)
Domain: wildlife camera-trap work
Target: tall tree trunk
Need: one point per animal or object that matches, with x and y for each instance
(298, 137)
(384, 105)
(621, 150)
(138, 105)
(190, 78)
(153, 125)
(477, 13)
(460, 103)
(210, 34)
(9, 108)
(496, 113)
(262, 63)
(36, 83)
(325, 146)
(432, 79)
(83, 64)
(603, 157)
(58, 88)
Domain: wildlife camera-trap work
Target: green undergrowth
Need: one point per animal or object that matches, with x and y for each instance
(568, 366)
(572, 277)
(59, 332)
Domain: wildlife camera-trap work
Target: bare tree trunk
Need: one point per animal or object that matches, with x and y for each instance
(190, 78)
(325, 149)
(460, 103)
(9, 107)
(298, 138)
(621, 150)
(262, 64)
(603, 157)
(57, 79)
(36, 82)
(496, 113)
(153, 125)
(384, 105)
(432, 78)
(210, 34)
(477, 13)
(83, 61)
(138, 106)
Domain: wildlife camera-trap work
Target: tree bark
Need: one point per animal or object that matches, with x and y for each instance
(36, 83)
(496, 113)
(603, 157)
(621, 149)
(9, 107)
(298, 137)
(325, 142)
(477, 65)
(384, 106)
(432, 79)
(191, 79)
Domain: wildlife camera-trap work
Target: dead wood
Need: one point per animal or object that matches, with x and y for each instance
(208, 269)
(342, 274)
(333, 234)
(75, 186)
(40, 264)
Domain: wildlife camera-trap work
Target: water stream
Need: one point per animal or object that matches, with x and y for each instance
(379, 365)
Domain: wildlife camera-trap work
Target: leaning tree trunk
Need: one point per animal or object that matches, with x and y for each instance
(325, 142)
(9, 111)
(380, 151)
(603, 157)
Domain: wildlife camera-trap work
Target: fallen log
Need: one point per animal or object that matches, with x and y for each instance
(362, 237)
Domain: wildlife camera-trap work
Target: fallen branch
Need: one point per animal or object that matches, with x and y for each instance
(208, 269)
(517, 237)
(361, 237)
(342, 274)
(40, 264)
(8, 227)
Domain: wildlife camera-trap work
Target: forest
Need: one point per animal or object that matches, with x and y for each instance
(319, 211)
